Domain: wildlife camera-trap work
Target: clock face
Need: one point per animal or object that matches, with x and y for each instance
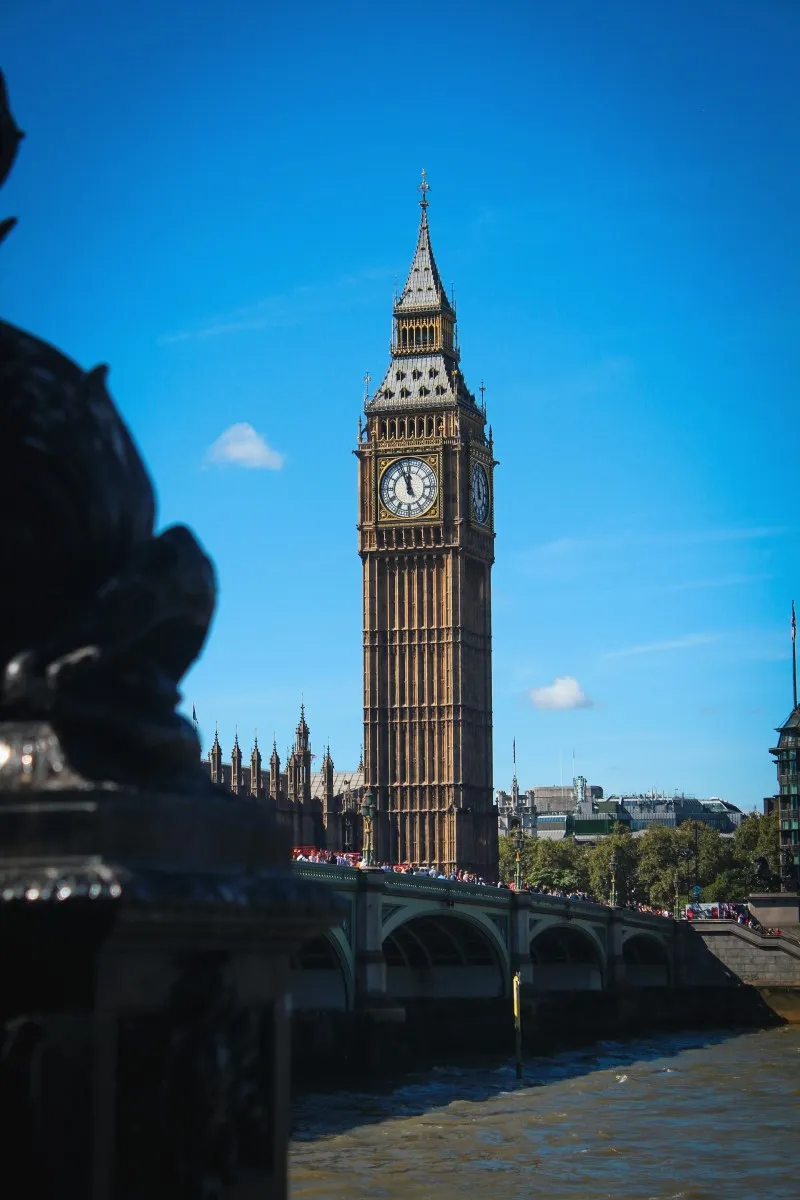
(480, 493)
(409, 487)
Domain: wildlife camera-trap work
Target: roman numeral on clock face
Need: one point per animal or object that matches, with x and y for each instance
(408, 487)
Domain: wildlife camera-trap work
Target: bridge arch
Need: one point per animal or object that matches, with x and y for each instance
(436, 954)
(646, 961)
(566, 957)
(321, 975)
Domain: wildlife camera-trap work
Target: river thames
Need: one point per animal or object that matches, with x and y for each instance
(675, 1117)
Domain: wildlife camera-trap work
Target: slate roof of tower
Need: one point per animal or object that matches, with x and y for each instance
(792, 721)
(423, 288)
(430, 378)
(341, 781)
(422, 379)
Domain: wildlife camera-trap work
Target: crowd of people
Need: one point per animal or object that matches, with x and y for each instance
(722, 911)
(346, 858)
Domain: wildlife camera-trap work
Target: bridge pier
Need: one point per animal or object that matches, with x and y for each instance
(520, 938)
(615, 958)
(375, 1008)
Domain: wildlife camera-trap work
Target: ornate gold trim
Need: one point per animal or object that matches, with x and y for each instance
(488, 525)
(432, 514)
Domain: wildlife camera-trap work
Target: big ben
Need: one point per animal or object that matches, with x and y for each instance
(426, 541)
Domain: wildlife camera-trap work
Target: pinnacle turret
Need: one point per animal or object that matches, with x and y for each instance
(302, 732)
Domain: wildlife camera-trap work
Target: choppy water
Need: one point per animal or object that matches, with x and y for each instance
(681, 1117)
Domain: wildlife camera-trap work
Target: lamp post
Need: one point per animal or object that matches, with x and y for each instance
(614, 863)
(368, 813)
(677, 904)
(517, 836)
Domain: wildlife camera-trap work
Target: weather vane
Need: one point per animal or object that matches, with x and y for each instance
(367, 382)
(424, 187)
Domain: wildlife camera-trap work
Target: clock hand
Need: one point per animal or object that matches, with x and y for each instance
(409, 484)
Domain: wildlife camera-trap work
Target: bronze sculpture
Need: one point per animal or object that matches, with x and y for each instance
(146, 916)
(99, 617)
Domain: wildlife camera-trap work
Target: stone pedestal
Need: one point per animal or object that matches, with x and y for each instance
(144, 1008)
(775, 910)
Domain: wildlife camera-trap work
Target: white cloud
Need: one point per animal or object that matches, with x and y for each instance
(563, 692)
(681, 643)
(241, 446)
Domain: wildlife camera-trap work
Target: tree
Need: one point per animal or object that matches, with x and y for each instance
(661, 864)
(731, 884)
(706, 855)
(507, 864)
(544, 863)
(757, 837)
(647, 866)
(621, 845)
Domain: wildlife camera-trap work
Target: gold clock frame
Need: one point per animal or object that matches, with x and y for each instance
(488, 525)
(432, 514)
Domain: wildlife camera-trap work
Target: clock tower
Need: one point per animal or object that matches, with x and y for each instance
(426, 541)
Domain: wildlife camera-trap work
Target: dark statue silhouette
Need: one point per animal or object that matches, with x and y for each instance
(119, 859)
(99, 618)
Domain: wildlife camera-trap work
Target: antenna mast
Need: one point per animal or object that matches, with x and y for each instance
(794, 656)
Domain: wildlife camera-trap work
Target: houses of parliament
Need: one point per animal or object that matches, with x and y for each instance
(426, 543)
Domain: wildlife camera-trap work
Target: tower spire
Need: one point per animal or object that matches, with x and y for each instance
(424, 188)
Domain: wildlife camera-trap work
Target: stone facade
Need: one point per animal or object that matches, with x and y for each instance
(720, 951)
(321, 808)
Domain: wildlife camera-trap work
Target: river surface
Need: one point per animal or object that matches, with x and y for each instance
(709, 1116)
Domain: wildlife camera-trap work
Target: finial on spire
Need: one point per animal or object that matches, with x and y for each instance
(482, 390)
(424, 188)
(367, 382)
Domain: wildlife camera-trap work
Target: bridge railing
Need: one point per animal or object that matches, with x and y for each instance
(328, 874)
(486, 894)
(440, 887)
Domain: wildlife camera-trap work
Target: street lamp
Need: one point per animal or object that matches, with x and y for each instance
(614, 863)
(677, 904)
(368, 812)
(517, 839)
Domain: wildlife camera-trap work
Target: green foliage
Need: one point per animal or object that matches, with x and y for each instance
(651, 866)
(662, 866)
(508, 858)
(731, 884)
(623, 847)
(757, 837)
(544, 863)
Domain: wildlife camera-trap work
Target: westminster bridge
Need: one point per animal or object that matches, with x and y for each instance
(406, 938)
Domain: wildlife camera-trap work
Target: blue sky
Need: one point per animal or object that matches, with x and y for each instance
(218, 199)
